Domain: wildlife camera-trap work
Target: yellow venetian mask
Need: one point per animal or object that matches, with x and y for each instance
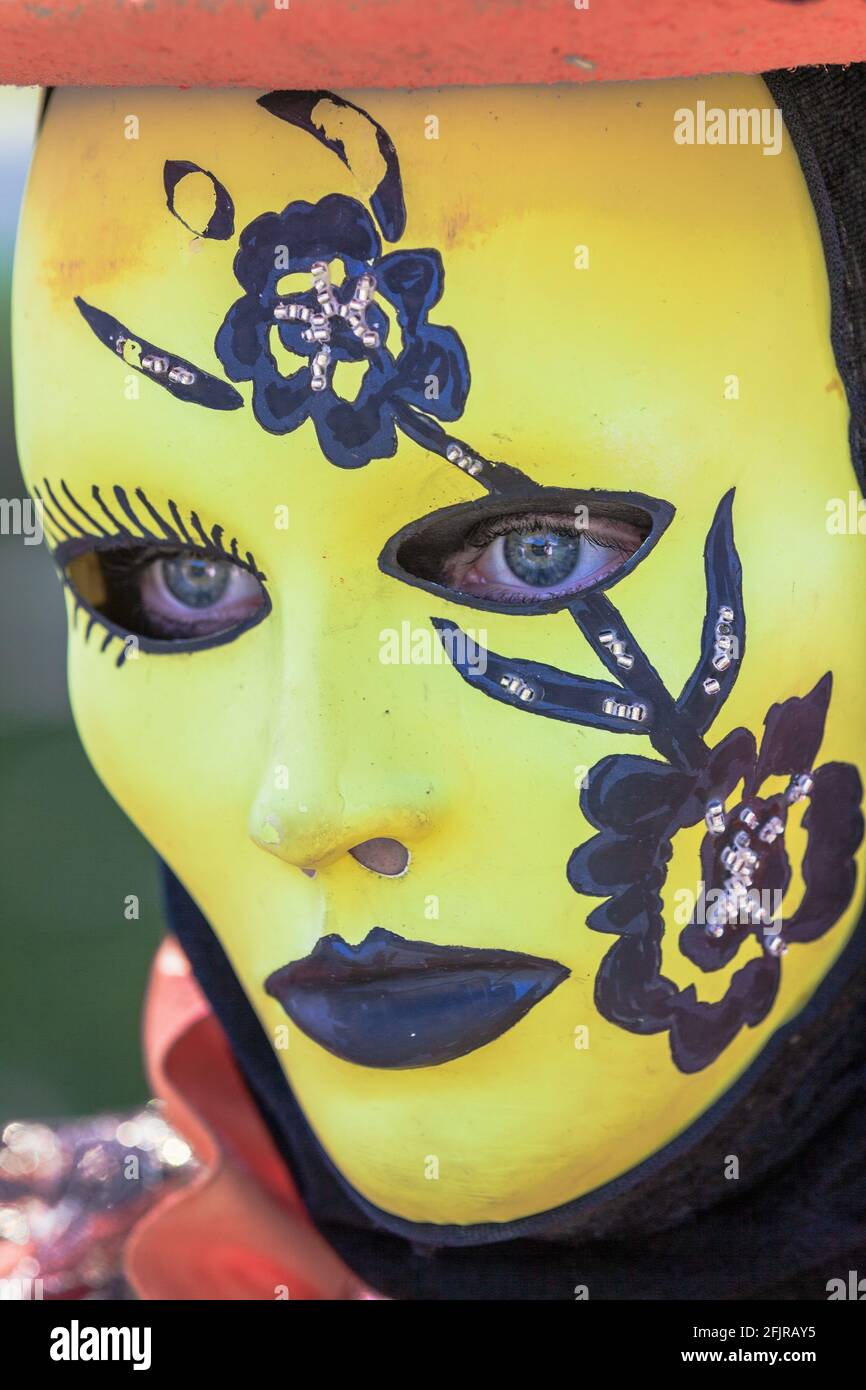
(490, 728)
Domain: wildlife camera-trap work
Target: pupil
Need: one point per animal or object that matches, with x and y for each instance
(195, 581)
(541, 558)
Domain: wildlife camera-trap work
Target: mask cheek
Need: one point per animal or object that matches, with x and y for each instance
(151, 729)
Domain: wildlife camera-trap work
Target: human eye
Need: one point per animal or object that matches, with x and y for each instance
(524, 555)
(540, 556)
(171, 598)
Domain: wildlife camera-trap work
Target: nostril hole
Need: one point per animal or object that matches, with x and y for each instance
(382, 856)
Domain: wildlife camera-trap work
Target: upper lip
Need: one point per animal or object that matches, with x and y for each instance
(389, 1002)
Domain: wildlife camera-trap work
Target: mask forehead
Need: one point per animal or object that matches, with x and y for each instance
(638, 316)
(594, 274)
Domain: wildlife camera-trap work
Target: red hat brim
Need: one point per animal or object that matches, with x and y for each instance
(414, 43)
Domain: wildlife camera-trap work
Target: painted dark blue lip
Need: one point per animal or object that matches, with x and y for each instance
(393, 1003)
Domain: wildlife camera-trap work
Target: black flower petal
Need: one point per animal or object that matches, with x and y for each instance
(221, 223)
(631, 794)
(297, 108)
(629, 988)
(834, 824)
(730, 762)
(627, 913)
(701, 1031)
(793, 731)
(609, 863)
(413, 281)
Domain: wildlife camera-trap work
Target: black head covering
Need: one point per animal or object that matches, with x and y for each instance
(824, 110)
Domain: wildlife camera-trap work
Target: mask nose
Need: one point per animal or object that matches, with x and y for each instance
(313, 836)
(343, 775)
(315, 820)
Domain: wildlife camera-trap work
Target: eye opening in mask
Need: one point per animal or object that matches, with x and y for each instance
(419, 553)
(107, 576)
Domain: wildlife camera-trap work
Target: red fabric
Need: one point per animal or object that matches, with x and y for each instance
(414, 43)
(239, 1229)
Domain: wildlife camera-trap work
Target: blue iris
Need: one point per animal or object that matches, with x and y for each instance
(541, 558)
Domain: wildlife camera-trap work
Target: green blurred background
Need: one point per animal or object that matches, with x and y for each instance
(73, 968)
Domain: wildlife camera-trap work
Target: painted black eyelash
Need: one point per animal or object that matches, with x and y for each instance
(72, 537)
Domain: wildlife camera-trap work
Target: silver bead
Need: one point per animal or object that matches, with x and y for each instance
(711, 686)
(721, 661)
(718, 916)
(323, 289)
(633, 712)
(748, 817)
(456, 454)
(318, 369)
(735, 888)
(153, 363)
(181, 376)
(775, 945)
(715, 817)
(772, 830)
(617, 648)
(741, 839)
(799, 788)
(518, 687)
(726, 614)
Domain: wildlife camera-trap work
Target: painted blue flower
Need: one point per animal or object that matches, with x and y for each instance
(427, 375)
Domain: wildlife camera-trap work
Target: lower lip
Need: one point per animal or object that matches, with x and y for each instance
(417, 1018)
